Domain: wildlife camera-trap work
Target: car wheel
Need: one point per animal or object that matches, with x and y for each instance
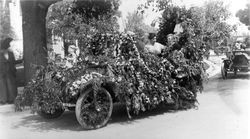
(94, 108)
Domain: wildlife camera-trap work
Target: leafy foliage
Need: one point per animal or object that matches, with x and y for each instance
(144, 79)
(135, 23)
(170, 17)
(75, 19)
(207, 23)
(5, 28)
(244, 15)
(216, 14)
(158, 5)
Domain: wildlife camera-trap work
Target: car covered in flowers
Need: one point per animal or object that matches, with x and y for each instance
(111, 69)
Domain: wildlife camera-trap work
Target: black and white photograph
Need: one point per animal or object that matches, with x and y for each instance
(124, 69)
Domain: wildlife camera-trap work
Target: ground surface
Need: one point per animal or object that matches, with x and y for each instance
(222, 114)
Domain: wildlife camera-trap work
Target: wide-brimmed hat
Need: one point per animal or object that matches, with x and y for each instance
(5, 44)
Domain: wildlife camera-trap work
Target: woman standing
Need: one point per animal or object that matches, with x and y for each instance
(8, 87)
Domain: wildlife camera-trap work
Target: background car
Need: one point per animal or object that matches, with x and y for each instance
(236, 61)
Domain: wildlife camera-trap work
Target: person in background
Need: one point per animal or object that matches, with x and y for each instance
(152, 45)
(243, 46)
(237, 45)
(8, 86)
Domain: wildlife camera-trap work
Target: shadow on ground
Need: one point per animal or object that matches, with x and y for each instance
(229, 89)
(221, 84)
(231, 76)
(238, 76)
(68, 120)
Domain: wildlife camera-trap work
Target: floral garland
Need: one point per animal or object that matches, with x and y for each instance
(144, 79)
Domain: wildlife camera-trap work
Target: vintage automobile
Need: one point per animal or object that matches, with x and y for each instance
(109, 72)
(236, 61)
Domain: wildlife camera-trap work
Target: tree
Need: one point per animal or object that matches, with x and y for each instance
(34, 28)
(244, 15)
(34, 34)
(157, 5)
(136, 24)
(75, 20)
(208, 23)
(5, 28)
(216, 28)
(170, 17)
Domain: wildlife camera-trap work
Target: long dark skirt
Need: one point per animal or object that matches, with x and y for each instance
(8, 88)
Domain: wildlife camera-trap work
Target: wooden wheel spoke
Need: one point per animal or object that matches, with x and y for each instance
(93, 110)
(102, 108)
(84, 107)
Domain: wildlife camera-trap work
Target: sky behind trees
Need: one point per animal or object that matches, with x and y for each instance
(131, 5)
(233, 5)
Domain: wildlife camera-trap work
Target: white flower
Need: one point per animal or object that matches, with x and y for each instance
(64, 79)
(113, 79)
(74, 85)
(155, 99)
(73, 93)
(78, 82)
(162, 98)
(119, 79)
(141, 84)
(84, 81)
(82, 77)
(58, 74)
(147, 100)
(87, 76)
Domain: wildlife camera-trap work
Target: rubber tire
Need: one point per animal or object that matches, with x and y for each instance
(78, 110)
(58, 113)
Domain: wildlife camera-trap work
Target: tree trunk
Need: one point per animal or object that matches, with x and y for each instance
(34, 34)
